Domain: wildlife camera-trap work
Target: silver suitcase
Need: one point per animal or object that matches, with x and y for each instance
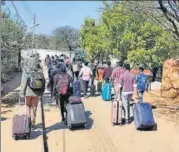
(75, 115)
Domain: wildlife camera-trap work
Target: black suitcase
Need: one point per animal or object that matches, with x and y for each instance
(75, 115)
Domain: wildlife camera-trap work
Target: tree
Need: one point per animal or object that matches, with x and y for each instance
(66, 37)
(12, 34)
(170, 9)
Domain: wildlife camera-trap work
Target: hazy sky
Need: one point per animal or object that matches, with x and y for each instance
(55, 13)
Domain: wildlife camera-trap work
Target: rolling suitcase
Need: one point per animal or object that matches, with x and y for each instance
(21, 125)
(76, 88)
(82, 85)
(106, 92)
(74, 99)
(75, 115)
(92, 90)
(143, 116)
(116, 112)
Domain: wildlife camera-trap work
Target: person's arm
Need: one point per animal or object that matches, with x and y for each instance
(104, 73)
(91, 73)
(135, 94)
(81, 72)
(113, 75)
(23, 83)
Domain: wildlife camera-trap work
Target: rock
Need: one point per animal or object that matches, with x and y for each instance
(170, 79)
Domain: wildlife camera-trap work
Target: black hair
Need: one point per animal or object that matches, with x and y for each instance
(86, 63)
(109, 63)
(120, 63)
(141, 69)
(127, 66)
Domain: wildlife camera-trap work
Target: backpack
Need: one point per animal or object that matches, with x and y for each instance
(62, 84)
(141, 82)
(76, 67)
(36, 80)
(52, 70)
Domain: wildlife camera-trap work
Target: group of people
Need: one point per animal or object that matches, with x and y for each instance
(62, 73)
(126, 85)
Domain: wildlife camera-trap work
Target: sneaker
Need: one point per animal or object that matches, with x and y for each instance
(127, 122)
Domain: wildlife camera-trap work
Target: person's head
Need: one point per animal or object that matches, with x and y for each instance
(37, 66)
(109, 63)
(52, 57)
(127, 66)
(73, 59)
(86, 63)
(141, 68)
(48, 55)
(120, 63)
(62, 68)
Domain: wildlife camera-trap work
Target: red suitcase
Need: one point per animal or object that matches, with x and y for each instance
(21, 125)
(116, 112)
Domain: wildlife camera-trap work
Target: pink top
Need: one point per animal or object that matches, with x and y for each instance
(86, 73)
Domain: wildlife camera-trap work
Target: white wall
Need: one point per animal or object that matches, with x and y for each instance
(44, 52)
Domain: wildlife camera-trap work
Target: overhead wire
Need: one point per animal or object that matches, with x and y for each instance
(18, 14)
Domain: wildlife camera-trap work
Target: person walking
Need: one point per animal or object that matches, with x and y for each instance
(142, 83)
(86, 73)
(108, 72)
(76, 68)
(127, 83)
(116, 74)
(62, 84)
(31, 88)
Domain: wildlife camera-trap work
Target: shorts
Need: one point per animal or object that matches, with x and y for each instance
(32, 101)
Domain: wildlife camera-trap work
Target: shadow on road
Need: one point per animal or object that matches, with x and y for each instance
(3, 119)
(58, 126)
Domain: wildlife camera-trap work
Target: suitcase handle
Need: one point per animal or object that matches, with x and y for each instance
(20, 105)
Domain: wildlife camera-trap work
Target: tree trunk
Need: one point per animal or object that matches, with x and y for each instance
(19, 57)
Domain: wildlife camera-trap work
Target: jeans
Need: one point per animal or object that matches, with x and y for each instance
(86, 86)
(140, 94)
(63, 99)
(126, 97)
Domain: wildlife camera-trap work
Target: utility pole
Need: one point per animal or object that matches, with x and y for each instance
(34, 22)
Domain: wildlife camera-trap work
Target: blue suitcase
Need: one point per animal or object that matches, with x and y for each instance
(107, 92)
(76, 88)
(143, 116)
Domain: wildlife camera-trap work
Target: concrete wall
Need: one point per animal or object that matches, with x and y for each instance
(44, 52)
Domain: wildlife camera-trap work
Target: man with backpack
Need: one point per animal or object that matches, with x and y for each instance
(32, 86)
(62, 82)
(116, 74)
(141, 81)
(51, 71)
(86, 73)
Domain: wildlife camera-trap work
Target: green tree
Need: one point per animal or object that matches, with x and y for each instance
(12, 33)
(65, 37)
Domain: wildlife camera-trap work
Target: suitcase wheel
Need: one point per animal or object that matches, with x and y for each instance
(70, 127)
(15, 137)
(27, 137)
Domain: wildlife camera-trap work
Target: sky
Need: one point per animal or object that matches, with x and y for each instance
(52, 14)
